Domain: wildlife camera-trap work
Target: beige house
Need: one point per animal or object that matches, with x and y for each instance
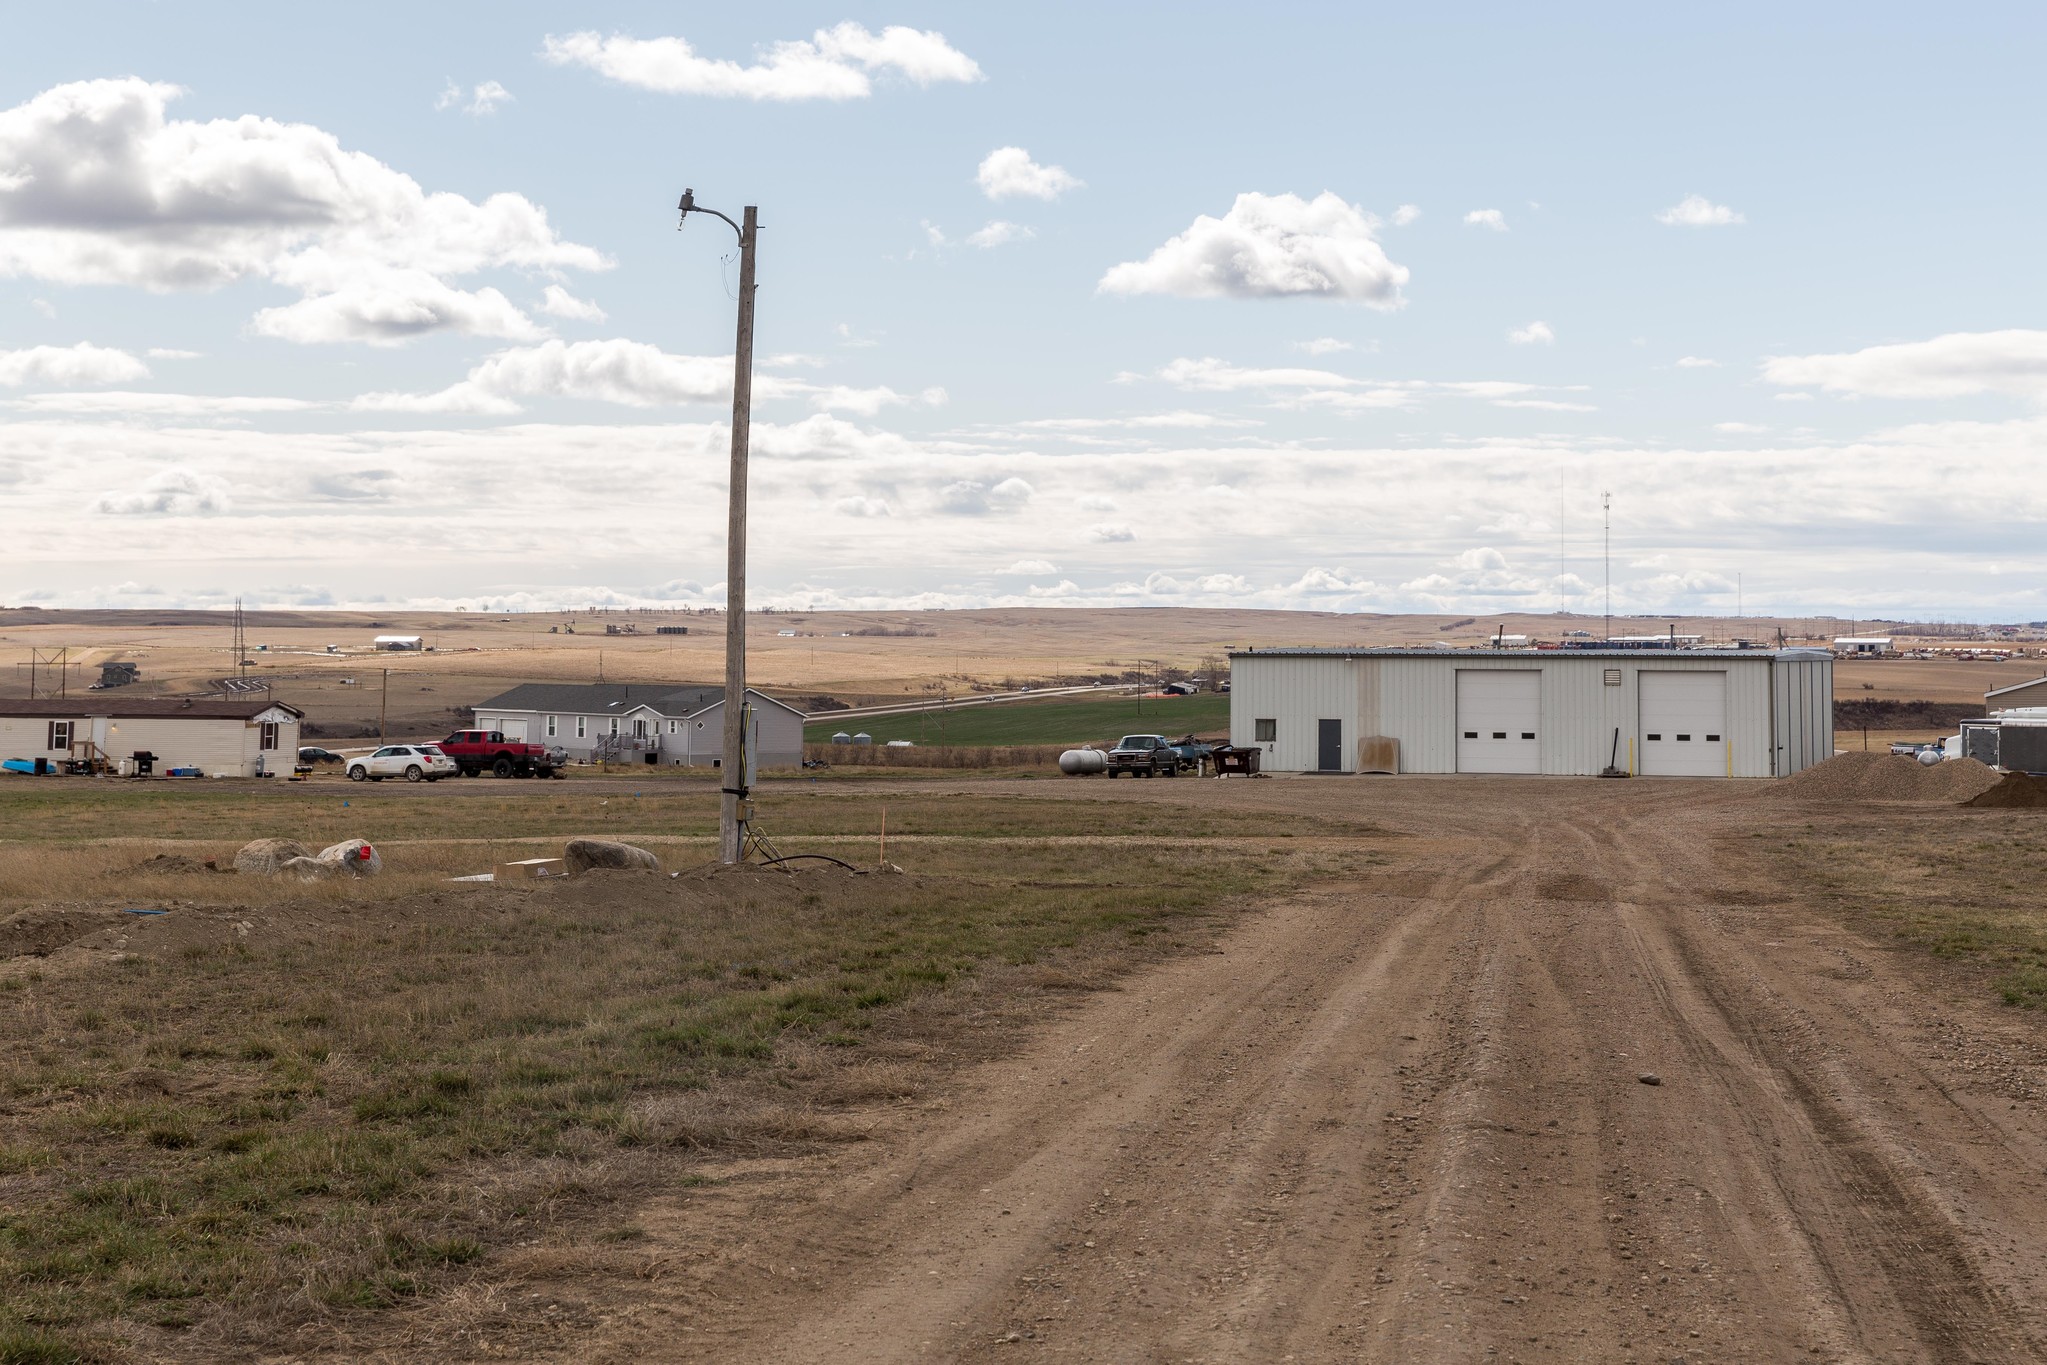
(2017, 695)
(220, 736)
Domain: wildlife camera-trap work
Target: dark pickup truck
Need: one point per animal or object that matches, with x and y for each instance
(1144, 756)
(477, 751)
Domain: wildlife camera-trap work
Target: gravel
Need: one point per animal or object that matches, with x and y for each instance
(1890, 777)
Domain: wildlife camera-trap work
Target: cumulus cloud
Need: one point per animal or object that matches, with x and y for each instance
(1270, 246)
(1009, 173)
(1487, 218)
(1406, 214)
(1323, 346)
(483, 99)
(1211, 375)
(558, 302)
(1956, 365)
(997, 233)
(171, 353)
(974, 498)
(861, 507)
(631, 373)
(102, 187)
(126, 403)
(833, 64)
(176, 492)
(1032, 566)
(1534, 334)
(83, 363)
(1739, 428)
(1696, 210)
(1110, 533)
(1694, 362)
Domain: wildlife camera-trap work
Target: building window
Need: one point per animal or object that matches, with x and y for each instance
(550, 726)
(674, 727)
(267, 736)
(614, 725)
(580, 723)
(639, 727)
(60, 734)
(1265, 731)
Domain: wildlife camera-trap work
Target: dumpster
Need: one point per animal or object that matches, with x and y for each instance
(1240, 762)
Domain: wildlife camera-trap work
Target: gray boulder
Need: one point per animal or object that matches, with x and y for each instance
(267, 857)
(353, 856)
(311, 869)
(583, 854)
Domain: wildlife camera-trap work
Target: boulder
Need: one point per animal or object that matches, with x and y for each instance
(267, 857)
(583, 854)
(354, 856)
(311, 869)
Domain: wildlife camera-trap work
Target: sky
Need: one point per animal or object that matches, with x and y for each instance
(1337, 307)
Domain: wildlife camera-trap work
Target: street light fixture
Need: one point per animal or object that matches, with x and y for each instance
(735, 811)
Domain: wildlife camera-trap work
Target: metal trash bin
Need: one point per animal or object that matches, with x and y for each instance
(1234, 762)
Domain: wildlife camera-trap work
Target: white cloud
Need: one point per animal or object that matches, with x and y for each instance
(558, 302)
(1406, 214)
(1739, 428)
(121, 403)
(1487, 218)
(170, 353)
(1544, 405)
(176, 492)
(1323, 346)
(484, 99)
(1270, 246)
(1210, 375)
(833, 64)
(974, 498)
(83, 363)
(44, 306)
(1096, 502)
(103, 188)
(613, 371)
(1009, 173)
(1534, 334)
(997, 233)
(861, 507)
(1956, 365)
(1110, 533)
(1693, 362)
(1696, 210)
(1032, 566)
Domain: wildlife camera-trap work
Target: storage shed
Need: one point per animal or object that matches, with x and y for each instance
(1652, 713)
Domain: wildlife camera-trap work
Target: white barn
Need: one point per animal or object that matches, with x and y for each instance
(1670, 713)
(670, 724)
(241, 736)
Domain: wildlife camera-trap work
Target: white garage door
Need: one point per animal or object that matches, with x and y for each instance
(1684, 724)
(1497, 713)
(514, 730)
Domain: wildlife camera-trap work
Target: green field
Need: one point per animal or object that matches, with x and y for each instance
(1060, 721)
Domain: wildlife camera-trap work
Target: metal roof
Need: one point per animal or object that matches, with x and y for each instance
(146, 708)
(2014, 687)
(615, 699)
(1409, 652)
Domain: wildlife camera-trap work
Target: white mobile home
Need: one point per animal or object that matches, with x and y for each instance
(221, 736)
(670, 724)
(1672, 713)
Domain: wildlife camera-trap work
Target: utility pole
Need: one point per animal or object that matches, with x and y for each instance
(1606, 511)
(734, 809)
(383, 706)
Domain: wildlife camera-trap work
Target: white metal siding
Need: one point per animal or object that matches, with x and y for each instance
(1295, 692)
(1684, 724)
(1499, 721)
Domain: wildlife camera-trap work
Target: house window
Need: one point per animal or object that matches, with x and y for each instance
(580, 723)
(550, 726)
(1265, 731)
(639, 727)
(60, 734)
(674, 727)
(614, 725)
(267, 735)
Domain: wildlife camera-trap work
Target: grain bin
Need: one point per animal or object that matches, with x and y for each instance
(842, 738)
(863, 738)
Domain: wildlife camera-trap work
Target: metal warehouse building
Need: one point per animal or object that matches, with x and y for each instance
(1655, 713)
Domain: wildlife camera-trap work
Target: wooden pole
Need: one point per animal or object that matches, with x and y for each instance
(732, 811)
(383, 706)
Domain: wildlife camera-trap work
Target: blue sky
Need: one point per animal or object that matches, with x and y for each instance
(1324, 306)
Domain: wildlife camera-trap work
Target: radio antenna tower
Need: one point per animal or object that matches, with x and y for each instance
(241, 642)
(1606, 512)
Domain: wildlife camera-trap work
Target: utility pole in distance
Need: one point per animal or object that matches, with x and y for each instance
(734, 810)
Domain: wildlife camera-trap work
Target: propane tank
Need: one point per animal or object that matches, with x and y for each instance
(1929, 758)
(1083, 762)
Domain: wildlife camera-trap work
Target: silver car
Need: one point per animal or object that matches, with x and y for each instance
(413, 762)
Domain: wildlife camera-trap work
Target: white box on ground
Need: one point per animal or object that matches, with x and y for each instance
(531, 869)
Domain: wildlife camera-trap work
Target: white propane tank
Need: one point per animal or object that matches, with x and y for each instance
(1082, 762)
(1929, 758)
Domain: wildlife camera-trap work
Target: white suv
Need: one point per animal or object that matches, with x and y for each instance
(413, 762)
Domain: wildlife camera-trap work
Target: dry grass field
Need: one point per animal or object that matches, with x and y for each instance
(854, 656)
(1336, 1069)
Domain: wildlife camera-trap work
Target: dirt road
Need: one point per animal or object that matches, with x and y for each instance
(1408, 1120)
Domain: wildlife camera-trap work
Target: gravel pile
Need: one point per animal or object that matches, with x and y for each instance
(1890, 777)
(2016, 791)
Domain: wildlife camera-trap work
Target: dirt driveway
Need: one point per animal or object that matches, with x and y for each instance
(1411, 1119)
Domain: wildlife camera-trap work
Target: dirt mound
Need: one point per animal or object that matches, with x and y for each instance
(2017, 791)
(1889, 777)
(41, 931)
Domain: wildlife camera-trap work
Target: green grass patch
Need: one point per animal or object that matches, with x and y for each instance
(1055, 720)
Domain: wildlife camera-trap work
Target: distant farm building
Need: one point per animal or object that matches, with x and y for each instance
(399, 642)
(1862, 645)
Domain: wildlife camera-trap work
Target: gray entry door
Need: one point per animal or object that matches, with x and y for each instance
(1329, 746)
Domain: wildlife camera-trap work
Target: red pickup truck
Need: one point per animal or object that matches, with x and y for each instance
(477, 750)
